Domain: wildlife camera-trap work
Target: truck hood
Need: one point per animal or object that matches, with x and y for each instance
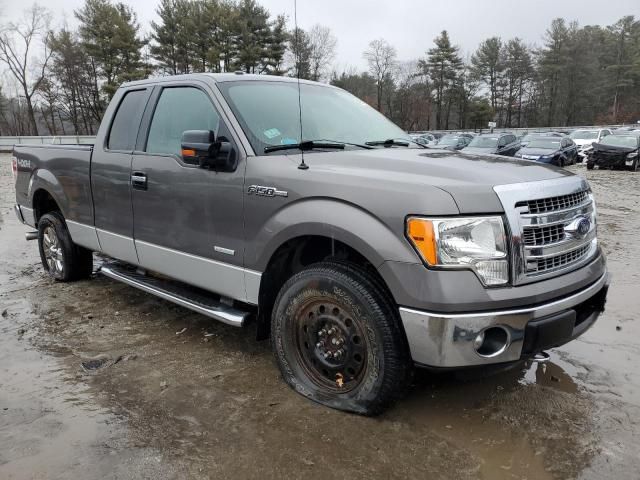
(468, 178)
(598, 147)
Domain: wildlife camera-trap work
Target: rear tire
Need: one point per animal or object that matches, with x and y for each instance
(61, 258)
(337, 338)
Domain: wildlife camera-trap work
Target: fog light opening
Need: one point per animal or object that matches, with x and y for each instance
(491, 342)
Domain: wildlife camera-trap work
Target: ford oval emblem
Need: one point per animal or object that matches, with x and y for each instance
(583, 227)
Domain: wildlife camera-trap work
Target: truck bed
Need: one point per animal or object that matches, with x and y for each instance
(63, 171)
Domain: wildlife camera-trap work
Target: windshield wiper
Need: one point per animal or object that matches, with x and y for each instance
(304, 146)
(394, 142)
(368, 147)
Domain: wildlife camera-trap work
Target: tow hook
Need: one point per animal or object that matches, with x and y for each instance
(541, 357)
(31, 235)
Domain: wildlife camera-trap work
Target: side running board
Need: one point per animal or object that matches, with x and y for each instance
(178, 293)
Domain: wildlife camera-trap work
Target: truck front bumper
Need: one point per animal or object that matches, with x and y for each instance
(446, 340)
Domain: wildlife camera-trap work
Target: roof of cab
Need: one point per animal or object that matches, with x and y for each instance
(217, 78)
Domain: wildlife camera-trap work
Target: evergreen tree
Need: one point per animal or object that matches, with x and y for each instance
(109, 36)
(443, 64)
(488, 63)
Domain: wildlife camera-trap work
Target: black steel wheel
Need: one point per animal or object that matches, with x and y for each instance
(61, 258)
(338, 340)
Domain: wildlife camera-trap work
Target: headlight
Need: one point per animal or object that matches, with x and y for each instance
(475, 243)
(632, 155)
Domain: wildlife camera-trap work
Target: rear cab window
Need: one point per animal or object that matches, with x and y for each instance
(126, 121)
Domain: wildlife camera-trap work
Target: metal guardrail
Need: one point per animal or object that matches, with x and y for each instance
(530, 129)
(7, 143)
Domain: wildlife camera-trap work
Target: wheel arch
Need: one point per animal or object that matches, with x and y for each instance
(46, 194)
(297, 253)
(43, 202)
(318, 229)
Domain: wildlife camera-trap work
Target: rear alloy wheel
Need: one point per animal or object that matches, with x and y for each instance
(337, 339)
(61, 258)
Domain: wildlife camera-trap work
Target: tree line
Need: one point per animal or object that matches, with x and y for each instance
(59, 81)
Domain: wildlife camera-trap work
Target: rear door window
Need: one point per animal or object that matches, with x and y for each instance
(124, 129)
(179, 109)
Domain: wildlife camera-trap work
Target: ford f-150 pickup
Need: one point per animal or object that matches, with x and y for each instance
(295, 205)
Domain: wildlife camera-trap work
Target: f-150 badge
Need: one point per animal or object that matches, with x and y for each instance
(266, 191)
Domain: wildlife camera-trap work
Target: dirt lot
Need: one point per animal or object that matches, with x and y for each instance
(208, 402)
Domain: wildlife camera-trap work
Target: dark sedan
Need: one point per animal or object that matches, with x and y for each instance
(616, 151)
(496, 143)
(553, 150)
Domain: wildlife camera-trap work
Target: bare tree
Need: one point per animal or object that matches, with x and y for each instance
(17, 42)
(323, 50)
(381, 57)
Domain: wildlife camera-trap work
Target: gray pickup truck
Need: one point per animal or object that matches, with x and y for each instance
(296, 206)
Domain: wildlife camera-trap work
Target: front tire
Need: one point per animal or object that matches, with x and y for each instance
(337, 339)
(61, 258)
(634, 165)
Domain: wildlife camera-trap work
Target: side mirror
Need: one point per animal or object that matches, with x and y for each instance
(200, 147)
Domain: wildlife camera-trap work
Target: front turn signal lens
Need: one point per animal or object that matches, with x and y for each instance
(422, 235)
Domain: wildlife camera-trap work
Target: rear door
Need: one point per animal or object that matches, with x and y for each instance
(111, 170)
(188, 220)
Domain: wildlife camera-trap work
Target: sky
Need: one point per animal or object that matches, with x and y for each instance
(409, 25)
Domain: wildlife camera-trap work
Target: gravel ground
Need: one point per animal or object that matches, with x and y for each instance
(209, 403)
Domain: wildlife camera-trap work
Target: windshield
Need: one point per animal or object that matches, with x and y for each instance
(550, 143)
(620, 141)
(484, 142)
(449, 140)
(584, 135)
(269, 114)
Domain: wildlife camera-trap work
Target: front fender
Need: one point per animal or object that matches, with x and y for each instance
(330, 218)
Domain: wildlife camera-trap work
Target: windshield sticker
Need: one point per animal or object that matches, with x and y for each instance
(271, 133)
(288, 141)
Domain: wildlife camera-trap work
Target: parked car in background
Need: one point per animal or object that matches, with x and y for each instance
(559, 151)
(585, 138)
(622, 130)
(616, 151)
(495, 143)
(453, 142)
(424, 138)
(524, 140)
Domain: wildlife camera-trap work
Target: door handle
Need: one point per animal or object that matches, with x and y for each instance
(139, 180)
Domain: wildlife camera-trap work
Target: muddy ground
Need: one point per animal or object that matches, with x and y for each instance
(209, 403)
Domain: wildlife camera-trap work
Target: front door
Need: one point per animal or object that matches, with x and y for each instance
(187, 219)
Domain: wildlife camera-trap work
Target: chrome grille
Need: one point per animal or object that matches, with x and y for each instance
(557, 261)
(543, 218)
(543, 235)
(553, 204)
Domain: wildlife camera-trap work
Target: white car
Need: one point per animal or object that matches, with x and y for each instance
(585, 138)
